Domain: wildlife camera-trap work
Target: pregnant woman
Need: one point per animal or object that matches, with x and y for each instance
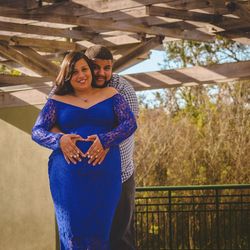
(84, 196)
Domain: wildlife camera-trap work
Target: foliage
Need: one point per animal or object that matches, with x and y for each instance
(6, 70)
(189, 53)
(207, 145)
(196, 135)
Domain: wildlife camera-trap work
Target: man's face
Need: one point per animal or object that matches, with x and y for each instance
(102, 71)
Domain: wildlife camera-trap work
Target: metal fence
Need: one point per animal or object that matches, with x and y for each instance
(193, 217)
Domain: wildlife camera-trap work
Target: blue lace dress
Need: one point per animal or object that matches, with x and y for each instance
(84, 196)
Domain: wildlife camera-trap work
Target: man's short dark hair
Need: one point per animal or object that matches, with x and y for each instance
(99, 52)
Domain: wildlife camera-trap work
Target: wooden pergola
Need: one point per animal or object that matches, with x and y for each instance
(34, 34)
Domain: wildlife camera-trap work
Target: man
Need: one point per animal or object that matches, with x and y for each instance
(122, 232)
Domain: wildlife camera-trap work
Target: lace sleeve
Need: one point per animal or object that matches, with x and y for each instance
(45, 121)
(126, 124)
(52, 92)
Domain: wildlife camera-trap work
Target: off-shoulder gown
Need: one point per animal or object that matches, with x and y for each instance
(84, 196)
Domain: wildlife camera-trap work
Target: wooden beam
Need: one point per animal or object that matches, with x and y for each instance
(217, 8)
(214, 74)
(31, 4)
(64, 8)
(25, 4)
(54, 1)
(239, 10)
(119, 40)
(236, 32)
(192, 4)
(39, 60)
(233, 7)
(113, 5)
(128, 59)
(25, 97)
(185, 14)
(190, 76)
(136, 9)
(225, 22)
(239, 35)
(73, 9)
(109, 25)
(130, 26)
(118, 15)
(16, 66)
(18, 57)
(9, 80)
(47, 31)
(43, 43)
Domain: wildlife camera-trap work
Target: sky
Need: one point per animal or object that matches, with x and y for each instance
(154, 63)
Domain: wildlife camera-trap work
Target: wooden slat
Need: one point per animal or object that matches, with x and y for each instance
(23, 60)
(39, 60)
(7, 80)
(239, 10)
(63, 8)
(192, 4)
(26, 97)
(36, 43)
(28, 4)
(34, 29)
(243, 13)
(137, 9)
(142, 81)
(225, 22)
(240, 35)
(190, 76)
(116, 40)
(113, 5)
(73, 9)
(112, 25)
(185, 14)
(129, 59)
(14, 65)
(118, 15)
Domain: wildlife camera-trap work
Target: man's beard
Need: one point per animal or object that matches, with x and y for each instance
(101, 86)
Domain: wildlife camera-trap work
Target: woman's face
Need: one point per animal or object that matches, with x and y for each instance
(81, 78)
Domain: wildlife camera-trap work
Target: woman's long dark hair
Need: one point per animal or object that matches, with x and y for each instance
(63, 84)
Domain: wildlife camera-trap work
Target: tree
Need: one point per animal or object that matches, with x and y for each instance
(196, 135)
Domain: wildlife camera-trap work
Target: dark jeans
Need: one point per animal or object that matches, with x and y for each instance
(122, 235)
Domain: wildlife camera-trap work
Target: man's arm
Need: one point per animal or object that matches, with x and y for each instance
(127, 91)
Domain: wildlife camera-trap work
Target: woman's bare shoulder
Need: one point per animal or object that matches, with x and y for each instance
(61, 98)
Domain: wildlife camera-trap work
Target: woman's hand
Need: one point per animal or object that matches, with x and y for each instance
(96, 152)
(99, 158)
(68, 146)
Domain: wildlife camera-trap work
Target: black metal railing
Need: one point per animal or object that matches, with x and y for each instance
(193, 217)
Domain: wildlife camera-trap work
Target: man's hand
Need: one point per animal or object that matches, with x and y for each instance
(96, 152)
(70, 151)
